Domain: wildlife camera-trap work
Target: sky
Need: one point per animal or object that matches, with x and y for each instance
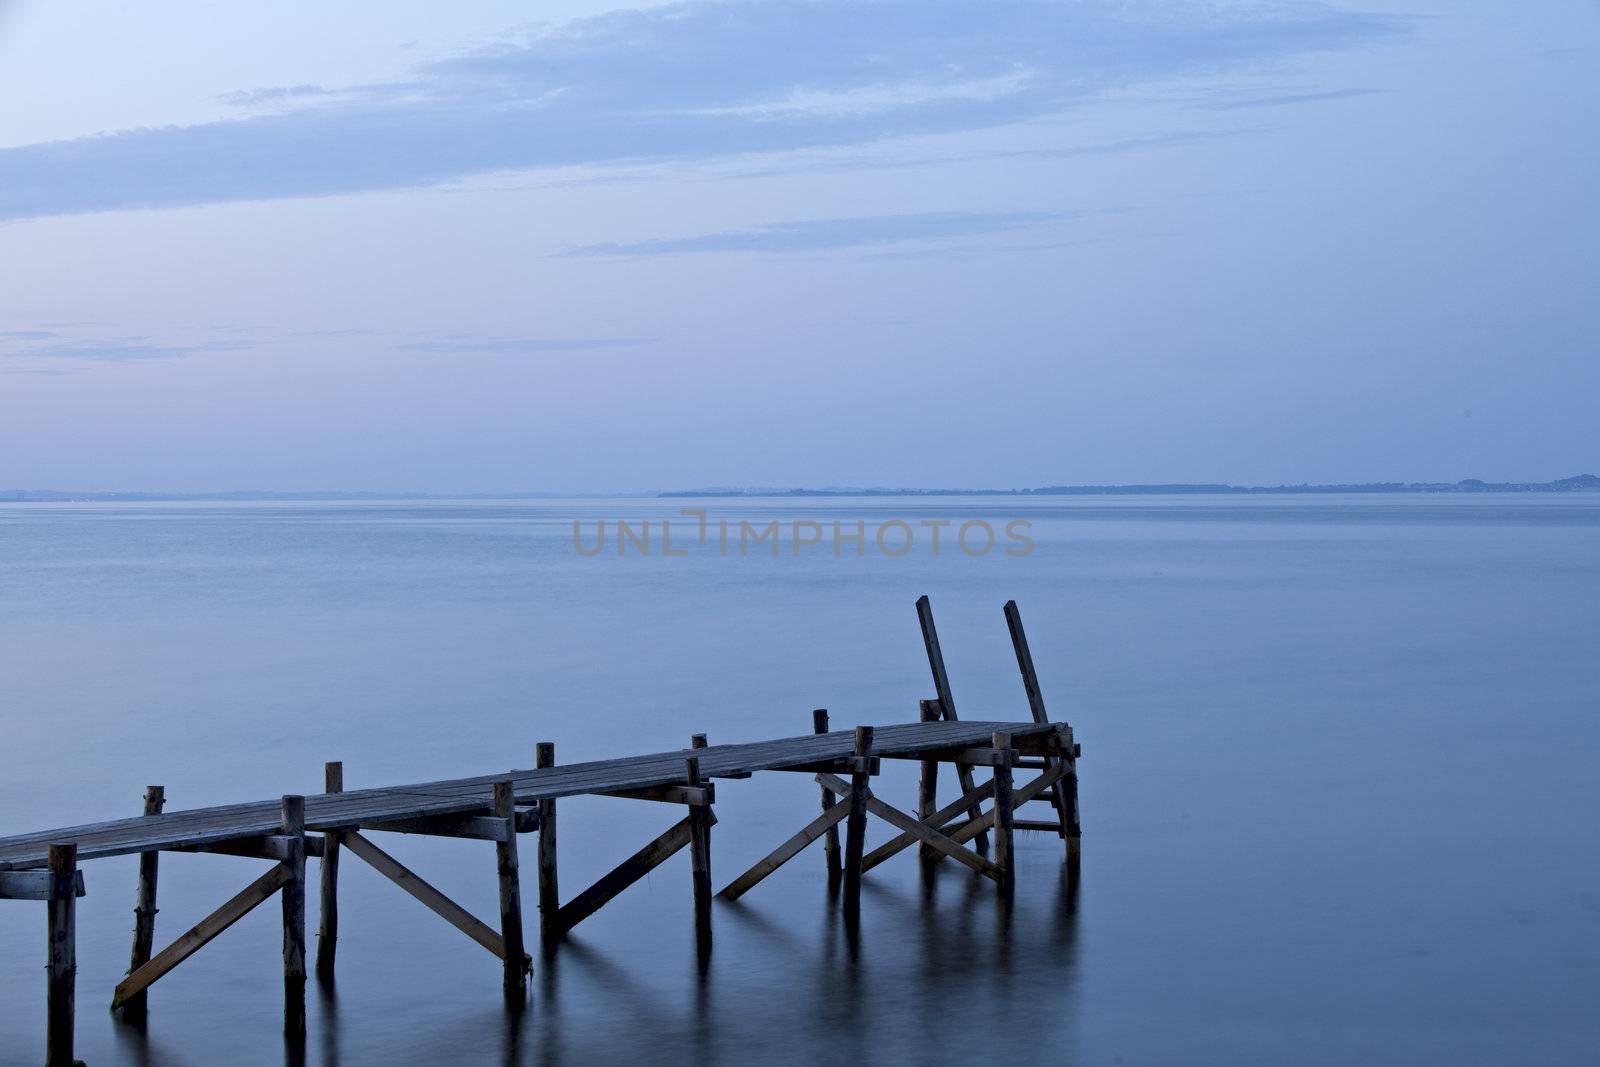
(437, 248)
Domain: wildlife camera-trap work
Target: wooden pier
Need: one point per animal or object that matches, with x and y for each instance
(498, 808)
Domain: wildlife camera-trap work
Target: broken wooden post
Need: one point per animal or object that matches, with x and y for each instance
(144, 911)
(947, 702)
(1064, 794)
(928, 782)
(830, 843)
(700, 851)
(549, 890)
(61, 920)
(328, 912)
(516, 962)
(1004, 855)
(293, 896)
(855, 837)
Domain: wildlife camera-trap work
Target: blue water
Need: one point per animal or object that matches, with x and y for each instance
(1339, 775)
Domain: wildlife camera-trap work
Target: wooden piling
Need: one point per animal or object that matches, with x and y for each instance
(293, 897)
(700, 852)
(1064, 794)
(144, 911)
(549, 887)
(928, 782)
(328, 911)
(1004, 807)
(61, 921)
(830, 843)
(947, 700)
(516, 960)
(855, 837)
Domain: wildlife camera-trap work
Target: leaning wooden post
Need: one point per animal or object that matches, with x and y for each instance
(293, 894)
(144, 911)
(61, 919)
(947, 700)
(549, 887)
(328, 912)
(928, 783)
(505, 850)
(830, 843)
(700, 850)
(1005, 856)
(855, 837)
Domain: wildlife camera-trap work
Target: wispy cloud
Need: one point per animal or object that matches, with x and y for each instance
(1291, 98)
(118, 349)
(692, 81)
(814, 235)
(523, 344)
(26, 335)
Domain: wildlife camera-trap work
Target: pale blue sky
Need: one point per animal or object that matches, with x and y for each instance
(909, 242)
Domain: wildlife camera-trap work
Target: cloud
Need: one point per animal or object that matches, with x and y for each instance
(119, 349)
(1292, 98)
(27, 335)
(692, 81)
(820, 234)
(523, 344)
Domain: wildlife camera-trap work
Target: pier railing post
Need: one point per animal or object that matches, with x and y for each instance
(516, 958)
(549, 887)
(830, 843)
(700, 851)
(293, 895)
(855, 837)
(144, 911)
(61, 919)
(1004, 853)
(328, 911)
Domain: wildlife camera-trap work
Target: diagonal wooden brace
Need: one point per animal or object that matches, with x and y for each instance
(936, 821)
(926, 834)
(624, 874)
(791, 848)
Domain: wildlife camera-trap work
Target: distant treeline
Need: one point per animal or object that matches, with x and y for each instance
(1582, 483)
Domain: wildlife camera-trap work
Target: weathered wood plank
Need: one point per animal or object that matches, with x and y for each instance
(34, 885)
(432, 898)
(199, 935)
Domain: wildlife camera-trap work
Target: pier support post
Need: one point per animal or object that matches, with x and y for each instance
(928, 783)
(855, 837)
(293, 896)
(830, 843)
(549, 887)
(328, 911)
(61, 919)
(700, 852)
(1004, 812)
(516, 960)
(137, 1009)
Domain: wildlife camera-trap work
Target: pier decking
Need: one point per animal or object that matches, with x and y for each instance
(44, 865)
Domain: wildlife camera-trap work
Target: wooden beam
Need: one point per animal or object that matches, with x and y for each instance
(856, 828)
(144, 909)
(699, 852)
(433, 899)
(1064, 794)
(830, 819)
(936, 821)
(1005, 856)
(34, 885)
(328, 905)
(830, 847)
(473, 827)
(200, 934)
(926, 834)
(698, 796)
(973, 827)
(928, 780)
(516, 961)
(264, 847)
(549, 886)
(947, 702)
(61, 921)
(293, 899)
(624, 874)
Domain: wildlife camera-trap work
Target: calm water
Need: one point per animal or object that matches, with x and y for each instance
(1339, 775)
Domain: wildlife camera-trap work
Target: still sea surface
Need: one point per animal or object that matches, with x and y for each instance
(1340, 782)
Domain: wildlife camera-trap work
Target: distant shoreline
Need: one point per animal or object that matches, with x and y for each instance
(1582, 483)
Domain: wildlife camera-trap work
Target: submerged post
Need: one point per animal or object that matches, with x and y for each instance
(1004, 854)
(855, 837)
(144, 911)
(61, 920)
(549, 891)
(328, 913)
(516, 959)
(830, 843)
(700, 851)
(293, 894)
